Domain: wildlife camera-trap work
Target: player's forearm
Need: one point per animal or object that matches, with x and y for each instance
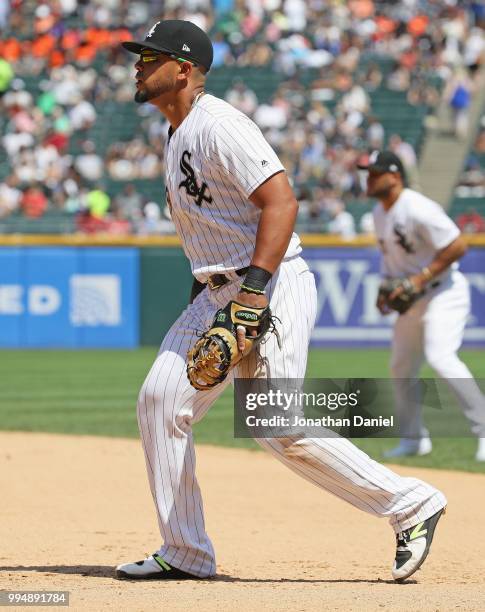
(274, 233)
(444, 258)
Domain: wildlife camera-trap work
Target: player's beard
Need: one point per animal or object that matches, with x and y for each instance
(380, 192)
(141, 96)
(150, 93)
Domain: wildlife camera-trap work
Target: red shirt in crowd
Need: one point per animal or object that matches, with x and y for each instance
(33, 202)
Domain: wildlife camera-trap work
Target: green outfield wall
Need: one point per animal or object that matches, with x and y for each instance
(165, 283)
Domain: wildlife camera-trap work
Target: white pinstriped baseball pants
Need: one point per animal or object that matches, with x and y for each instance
(432, 330)
(168, 406)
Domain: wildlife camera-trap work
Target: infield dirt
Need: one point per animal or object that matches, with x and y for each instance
(74, 507)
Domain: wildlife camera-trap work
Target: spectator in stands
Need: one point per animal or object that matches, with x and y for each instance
(424, 41)
(33, 202)
(274, 115)
(98, 202)
(93, 218)
(342, 223)
(399, 79)
(407, 154)
(153, 222)
(129, 203)
(372, 77)
(356, 100)
(474, 174)
(366, 224)
(89, 164)
(4, 13)
(132, 160)
(82, 115)
(75, 193)
(458, 93)
(117, 224)
(48, 164)
(471, 222)
(242, 98)
(88, 224)
(6, 76)
(10, 197)
(375, 134)
(474, 51)
(222, 51)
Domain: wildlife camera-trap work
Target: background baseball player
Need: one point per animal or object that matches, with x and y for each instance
(420, 242)
(234, 211)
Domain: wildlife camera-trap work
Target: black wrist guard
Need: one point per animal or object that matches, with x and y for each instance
(256, 280)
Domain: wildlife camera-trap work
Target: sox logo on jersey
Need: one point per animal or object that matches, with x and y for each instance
(399, 232)
(190, 184)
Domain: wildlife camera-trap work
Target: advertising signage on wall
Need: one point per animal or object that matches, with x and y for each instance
(81, 297)
(69, 297)
(347, 281)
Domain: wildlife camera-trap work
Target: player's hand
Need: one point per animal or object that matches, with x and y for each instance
(248, 299)
(382, 306)
(418, 281)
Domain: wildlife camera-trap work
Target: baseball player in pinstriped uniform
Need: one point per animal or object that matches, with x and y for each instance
(418, 240)
(235, 211)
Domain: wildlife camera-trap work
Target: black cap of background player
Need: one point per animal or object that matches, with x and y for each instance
(384, 161)
(177, 38)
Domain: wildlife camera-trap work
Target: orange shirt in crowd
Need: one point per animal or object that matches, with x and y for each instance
(418, 25)
(43, 45)
(409, 59)
(56, 59)
(84, 43)
(33, 202)
(118, 36)
(98, 37)
(70, 39)
(385, 26)
(10, 49)
(85, 53)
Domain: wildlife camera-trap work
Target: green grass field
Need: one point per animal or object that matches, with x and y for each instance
(94, 392)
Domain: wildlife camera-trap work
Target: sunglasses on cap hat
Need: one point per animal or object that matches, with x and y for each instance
(148, 55)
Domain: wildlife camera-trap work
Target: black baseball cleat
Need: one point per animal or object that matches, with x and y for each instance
(153, 568)
(413, 547)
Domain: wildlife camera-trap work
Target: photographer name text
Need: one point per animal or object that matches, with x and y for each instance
(324, 421)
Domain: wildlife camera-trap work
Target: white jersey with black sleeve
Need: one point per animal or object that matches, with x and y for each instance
(214, 161)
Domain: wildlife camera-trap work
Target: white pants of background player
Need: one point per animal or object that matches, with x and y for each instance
(168, 406)
(432, 330)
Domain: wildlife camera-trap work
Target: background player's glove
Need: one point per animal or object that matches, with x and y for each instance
(398, 294)
(216, 352)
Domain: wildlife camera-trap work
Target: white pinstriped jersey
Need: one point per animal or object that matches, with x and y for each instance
(214, 161)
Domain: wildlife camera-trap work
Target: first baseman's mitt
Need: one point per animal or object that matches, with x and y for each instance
(216, 352)
(403, 302)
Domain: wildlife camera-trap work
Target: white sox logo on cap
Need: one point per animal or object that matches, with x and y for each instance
(185, 48)
(373, 157)
(152, 30)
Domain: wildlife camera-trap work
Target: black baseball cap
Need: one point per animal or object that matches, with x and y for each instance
(179, 38)
(384, 161)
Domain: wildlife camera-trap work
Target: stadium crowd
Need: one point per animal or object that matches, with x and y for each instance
(320, 127)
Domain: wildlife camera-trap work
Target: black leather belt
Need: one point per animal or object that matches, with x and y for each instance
(215, 281)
